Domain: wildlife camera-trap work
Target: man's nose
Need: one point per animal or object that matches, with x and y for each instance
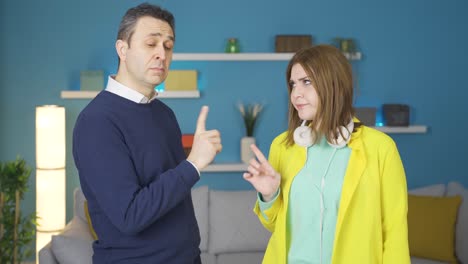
(160, 52)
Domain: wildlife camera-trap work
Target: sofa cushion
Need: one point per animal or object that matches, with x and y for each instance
(431, 190)
(78, 206)
(46, 256)
(74, 244)
(244, 258)
(426, 261)
(233, 225)
(200, 204)
(431, 226)
(461, 239)
(207, 258)
(72, 250)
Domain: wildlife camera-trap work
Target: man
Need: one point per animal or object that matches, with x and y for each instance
(128, 151)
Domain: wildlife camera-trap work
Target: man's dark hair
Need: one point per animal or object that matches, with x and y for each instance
(129, 20)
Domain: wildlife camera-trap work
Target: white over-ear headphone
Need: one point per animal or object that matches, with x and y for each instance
(304, 137)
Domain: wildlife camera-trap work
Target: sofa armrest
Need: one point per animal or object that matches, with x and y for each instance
(72, 245)
(46, 256)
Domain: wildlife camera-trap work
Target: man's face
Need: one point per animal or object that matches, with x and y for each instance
(149, 54)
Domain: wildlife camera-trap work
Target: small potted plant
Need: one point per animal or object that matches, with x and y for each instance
(16, 231)
(250, 114)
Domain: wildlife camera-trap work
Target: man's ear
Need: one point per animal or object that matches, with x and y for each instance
(121, 48)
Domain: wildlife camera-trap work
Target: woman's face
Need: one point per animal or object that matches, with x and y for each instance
(303, 94)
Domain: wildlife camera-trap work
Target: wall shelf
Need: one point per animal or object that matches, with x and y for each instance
(244, 56)
(403, 130)
(226, 167)
(242, 167)
(71, 94)
(232, 56)
(92, 94)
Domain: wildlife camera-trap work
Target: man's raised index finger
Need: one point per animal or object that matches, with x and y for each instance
(201, 122)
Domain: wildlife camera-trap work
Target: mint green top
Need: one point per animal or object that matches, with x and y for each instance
(310, 230)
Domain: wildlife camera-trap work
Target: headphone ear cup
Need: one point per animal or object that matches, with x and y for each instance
(303, 136)
(343, 141)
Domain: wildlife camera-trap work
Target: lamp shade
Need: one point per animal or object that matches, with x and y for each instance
(50, 172)
(50, 137)
(50, 201)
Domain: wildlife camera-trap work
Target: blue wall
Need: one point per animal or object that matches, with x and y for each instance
(415, 52)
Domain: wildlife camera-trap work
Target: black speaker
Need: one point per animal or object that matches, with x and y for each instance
(396, 114)
(366, 115)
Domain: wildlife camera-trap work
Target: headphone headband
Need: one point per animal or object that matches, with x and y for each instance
(304, 136)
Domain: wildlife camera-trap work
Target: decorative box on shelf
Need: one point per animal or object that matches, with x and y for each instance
(92, 80)
(181, 80)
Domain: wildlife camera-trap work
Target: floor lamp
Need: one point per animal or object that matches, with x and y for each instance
(50, 172)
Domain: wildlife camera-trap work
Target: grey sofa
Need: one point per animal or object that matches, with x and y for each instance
(230, 231)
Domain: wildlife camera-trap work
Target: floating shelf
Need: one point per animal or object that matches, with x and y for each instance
(403, 130)
(92, 94)
(244, 56)
(226, 167)
(241, 167)
(232, 56)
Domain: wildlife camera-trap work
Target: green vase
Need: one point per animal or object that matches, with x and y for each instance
(232, 46)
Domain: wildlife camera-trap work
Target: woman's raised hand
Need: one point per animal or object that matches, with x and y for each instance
(262, 175)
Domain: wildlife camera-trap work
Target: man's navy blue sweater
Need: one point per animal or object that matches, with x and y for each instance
(133, 173)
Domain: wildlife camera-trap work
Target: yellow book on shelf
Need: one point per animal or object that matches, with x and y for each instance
(181, 80)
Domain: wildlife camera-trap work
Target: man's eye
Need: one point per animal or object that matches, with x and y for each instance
(168, 46)
(151, 44)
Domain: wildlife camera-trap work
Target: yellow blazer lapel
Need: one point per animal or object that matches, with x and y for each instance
(357, 163)
(296, 160)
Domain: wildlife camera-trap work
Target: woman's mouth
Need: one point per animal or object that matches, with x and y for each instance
(300, 106)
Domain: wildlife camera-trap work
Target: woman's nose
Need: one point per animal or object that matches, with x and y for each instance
(298, 92)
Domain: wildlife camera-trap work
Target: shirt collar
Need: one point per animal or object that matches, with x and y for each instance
(119, 89)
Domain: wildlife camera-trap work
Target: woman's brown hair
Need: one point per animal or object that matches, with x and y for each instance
(331, 75)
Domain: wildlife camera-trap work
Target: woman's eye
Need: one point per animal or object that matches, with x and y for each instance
(292, 84)
(151, 44)
(307, 82)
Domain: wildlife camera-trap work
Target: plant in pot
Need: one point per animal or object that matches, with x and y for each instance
(250, 114)
(16, 232)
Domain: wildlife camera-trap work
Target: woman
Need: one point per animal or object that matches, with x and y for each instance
(332, 190)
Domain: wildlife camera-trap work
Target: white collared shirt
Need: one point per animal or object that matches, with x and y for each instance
(121, 90)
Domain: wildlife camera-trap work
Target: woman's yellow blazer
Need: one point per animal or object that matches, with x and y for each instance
(372, 217)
